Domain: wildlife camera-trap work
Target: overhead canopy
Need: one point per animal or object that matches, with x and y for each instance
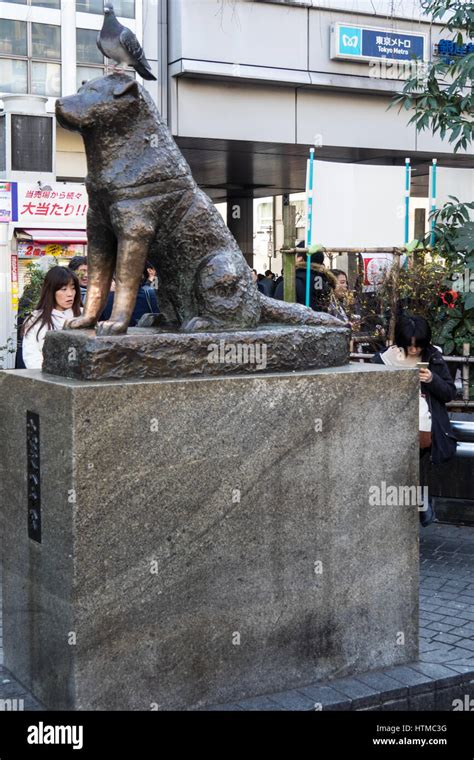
(227, 169)
(52, 236)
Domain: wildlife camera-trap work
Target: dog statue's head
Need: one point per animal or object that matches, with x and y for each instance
(100, 101)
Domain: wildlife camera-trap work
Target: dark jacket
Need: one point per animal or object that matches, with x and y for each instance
(146, 303)
(322, 282)
(268, 286)
(438, 392)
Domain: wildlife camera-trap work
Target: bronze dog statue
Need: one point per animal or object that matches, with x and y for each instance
(144, 204)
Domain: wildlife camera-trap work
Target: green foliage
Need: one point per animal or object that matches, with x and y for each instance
(454, 231)
(419, 285)
(459, 14)
(453, 323)
(31, 292)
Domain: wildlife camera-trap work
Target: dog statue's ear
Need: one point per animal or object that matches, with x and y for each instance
(130, 88)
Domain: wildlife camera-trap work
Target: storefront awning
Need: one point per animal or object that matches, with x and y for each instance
(52, 236)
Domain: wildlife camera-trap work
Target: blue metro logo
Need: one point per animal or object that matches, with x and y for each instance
(350, 40)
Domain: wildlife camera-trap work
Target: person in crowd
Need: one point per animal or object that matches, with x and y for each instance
(60, 300)
(338, 297)
(257, 281)
(322, 282)
(146, 303)
(342, 282)
(78, 264)
(150, 276)
(279, 279)
(437, 441)
(268, 283)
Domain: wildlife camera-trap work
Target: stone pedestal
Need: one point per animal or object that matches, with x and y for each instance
(151, 353)
(205, 540)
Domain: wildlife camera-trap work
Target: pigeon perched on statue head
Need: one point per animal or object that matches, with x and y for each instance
(120, 44)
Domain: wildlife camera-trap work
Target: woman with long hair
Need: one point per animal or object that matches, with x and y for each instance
(413, 348)
(338, 297)
(60, 299)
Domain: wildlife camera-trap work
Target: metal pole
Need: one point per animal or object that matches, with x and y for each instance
(309, 226)
(289, 232)
(433, 199)
(407, 199)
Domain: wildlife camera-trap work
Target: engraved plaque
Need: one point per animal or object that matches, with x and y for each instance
(34, 476)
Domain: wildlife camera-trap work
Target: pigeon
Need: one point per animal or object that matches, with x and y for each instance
(120, 44)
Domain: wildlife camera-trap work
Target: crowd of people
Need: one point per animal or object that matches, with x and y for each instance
(328, 290)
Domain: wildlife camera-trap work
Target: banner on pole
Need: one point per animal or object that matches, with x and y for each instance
(376, 266)
(358, 205)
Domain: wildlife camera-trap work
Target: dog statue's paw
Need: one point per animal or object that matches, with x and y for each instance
(79, 323)
(112, 327)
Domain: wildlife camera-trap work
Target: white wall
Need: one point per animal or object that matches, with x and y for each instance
(351, 120)
(249, 33)
(234, 111)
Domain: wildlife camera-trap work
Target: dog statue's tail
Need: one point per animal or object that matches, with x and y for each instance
(273, 310)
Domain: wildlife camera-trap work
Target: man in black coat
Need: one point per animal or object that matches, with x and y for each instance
(267, 284)
(322, 282)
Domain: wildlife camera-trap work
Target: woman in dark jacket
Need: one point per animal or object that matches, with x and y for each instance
(413, 345)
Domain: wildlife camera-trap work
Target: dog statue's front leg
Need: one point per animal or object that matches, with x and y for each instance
(101, 252)
(131, 257)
